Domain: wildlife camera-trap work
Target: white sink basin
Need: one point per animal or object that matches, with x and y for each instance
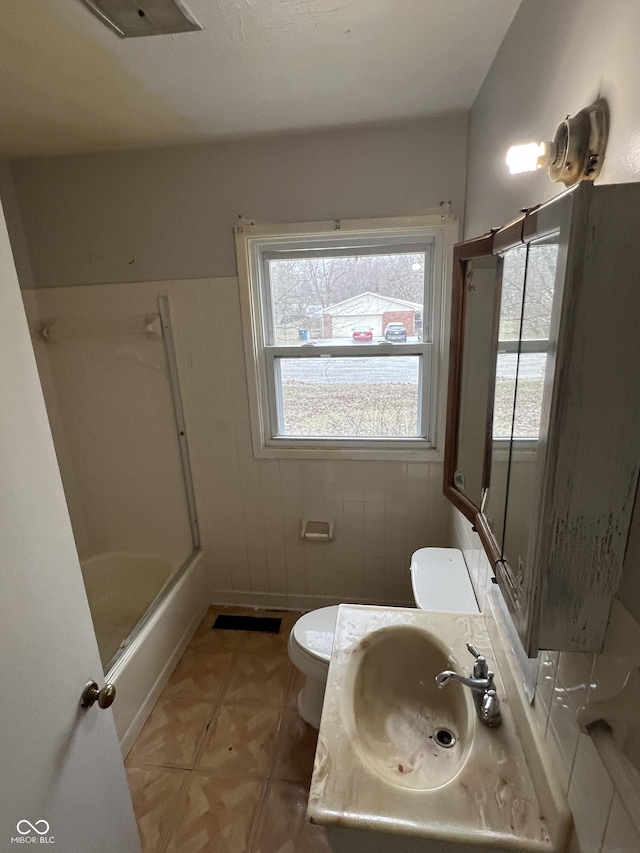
(379, 767)
(408, 731)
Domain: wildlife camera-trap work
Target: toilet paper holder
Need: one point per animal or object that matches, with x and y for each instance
(317, 531)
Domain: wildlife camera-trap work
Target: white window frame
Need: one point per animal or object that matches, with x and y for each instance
(252, 240)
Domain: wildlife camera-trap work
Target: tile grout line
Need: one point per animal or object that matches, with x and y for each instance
(262, 805)
(254, 835)
(216, 707)
(178, 801)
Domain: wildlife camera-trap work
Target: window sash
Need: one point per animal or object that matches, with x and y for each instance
(385, 245)
(427, 392)
(541, 345)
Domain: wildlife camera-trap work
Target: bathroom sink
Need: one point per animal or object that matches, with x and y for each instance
(407, 730)
(397, 756)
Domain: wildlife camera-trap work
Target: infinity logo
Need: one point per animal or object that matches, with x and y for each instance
(32, 828)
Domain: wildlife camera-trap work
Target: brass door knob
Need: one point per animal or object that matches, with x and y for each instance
(92, 694)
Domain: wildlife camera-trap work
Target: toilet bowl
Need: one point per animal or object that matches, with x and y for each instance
(440, 582)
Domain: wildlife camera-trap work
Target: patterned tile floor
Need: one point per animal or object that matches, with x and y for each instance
(224, 762)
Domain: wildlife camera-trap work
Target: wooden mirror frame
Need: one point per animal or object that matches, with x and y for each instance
(480, 247)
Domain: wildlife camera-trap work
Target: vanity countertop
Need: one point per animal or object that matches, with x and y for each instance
(492, 797)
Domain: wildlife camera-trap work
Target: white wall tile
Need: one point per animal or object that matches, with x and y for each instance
(590, 796)
(296, 582)
(272, 508)
(563, 731)
(546, 680)
(239, 568)
(373, 481)
(354, 587)
(269, 468)
(289, 470)
(621, 836)
(291, 490)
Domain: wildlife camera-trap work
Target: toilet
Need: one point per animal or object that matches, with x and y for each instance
(440, 582)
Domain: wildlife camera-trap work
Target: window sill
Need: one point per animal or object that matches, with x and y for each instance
(382, 454)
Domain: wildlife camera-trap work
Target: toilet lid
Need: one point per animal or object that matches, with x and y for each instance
(314, 631)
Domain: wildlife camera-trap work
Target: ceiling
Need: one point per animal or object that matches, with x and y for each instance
(69, 84)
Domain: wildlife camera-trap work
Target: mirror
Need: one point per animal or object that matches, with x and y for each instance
(475, 373)
(474, 308)
(539, 283)
(504, 390)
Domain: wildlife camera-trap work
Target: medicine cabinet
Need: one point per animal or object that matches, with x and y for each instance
(543, 423)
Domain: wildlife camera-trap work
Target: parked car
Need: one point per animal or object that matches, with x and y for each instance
(362, 332)
(396, 332)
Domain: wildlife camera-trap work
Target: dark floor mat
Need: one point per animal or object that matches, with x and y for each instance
(266, 624)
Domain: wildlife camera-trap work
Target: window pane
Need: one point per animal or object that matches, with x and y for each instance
(506, 369)
(541, 277)
(350, 397)
(355, 299)
(513, 272)
(526, 420)
(528, 405)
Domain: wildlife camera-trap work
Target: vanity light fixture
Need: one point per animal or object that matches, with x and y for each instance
(576, 151)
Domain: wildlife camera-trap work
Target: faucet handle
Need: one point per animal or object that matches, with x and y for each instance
(490, 709)
(474, 650)
(480, 668)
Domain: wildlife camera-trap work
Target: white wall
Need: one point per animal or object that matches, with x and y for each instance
(557, 58)
(168, 213)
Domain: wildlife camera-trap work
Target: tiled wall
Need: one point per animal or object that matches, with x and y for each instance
(250, 510)
(566, 681)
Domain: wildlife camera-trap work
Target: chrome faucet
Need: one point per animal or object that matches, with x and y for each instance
(481, 685)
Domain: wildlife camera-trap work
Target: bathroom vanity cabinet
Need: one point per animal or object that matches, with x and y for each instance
(543, 426)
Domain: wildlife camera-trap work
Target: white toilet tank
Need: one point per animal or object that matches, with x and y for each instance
(441, 582)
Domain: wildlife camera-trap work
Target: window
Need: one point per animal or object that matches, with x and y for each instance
(343, 331)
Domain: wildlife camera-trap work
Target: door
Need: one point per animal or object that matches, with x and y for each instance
(62, 781)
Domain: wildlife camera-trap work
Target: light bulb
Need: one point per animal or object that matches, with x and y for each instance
(527, 158)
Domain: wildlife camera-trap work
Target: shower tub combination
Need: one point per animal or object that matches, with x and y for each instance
(157, 625)
(109, 373)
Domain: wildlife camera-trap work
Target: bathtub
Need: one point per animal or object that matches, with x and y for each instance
(120, 587)
(157, 616)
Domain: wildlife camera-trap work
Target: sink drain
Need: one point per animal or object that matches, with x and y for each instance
(444, 738)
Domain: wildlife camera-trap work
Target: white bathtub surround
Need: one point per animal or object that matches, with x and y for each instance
(494, 792)
(143, 670)
(109, 400)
